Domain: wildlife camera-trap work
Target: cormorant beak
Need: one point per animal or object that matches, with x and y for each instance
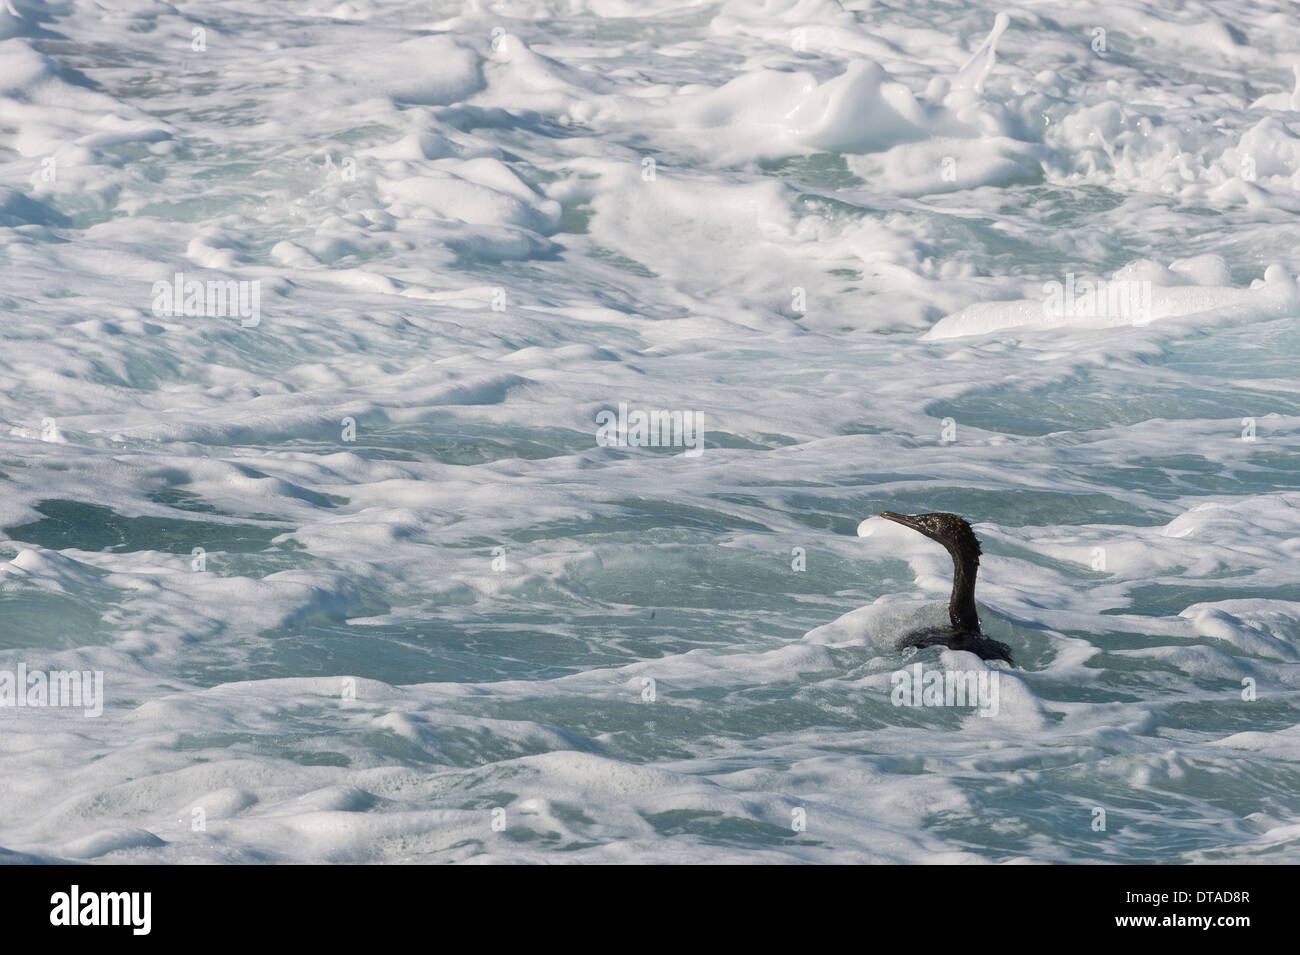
(905, 519)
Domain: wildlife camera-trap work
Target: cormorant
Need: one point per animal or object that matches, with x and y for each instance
(964, 633)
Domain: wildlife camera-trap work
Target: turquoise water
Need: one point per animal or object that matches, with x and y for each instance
(364, 584)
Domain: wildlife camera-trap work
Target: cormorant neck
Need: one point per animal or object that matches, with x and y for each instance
(961, 606)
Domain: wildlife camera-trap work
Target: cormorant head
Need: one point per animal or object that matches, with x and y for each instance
(948, 529)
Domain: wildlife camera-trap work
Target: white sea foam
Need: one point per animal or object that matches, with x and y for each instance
(363, 584)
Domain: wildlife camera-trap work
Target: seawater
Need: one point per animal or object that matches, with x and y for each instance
(363, 583)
